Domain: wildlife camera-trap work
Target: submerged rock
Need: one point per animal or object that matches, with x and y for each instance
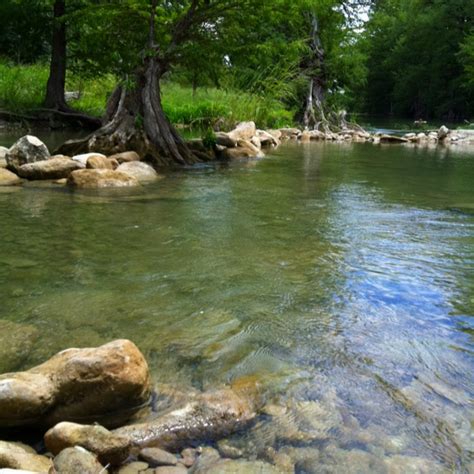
(108, 447)
(142, 172)
(20, 456)
(16, 342)
(229, 466)
(105, 384)
(7, 178)
(100, 178)
(210, 416)
(56, 167)
(27, 149)
(77, 460)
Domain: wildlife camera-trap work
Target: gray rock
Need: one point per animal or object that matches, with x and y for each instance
(139, 170)
(105, 384)
(3, 152)
(7, 178)
(56, 167)
(109, 448)
(77, 461)
(100, 178)
(158, 457)
(443, 132)
(27, 149)
(289, 133)
(20, 456)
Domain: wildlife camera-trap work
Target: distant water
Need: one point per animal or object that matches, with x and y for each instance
(340, 276)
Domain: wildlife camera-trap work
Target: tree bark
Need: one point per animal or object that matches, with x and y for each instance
(57, 76)
(314, 115)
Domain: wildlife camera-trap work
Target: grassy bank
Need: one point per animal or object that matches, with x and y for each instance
(22, 89)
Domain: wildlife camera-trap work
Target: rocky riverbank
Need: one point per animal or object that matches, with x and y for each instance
(82, 400)
(30, 160)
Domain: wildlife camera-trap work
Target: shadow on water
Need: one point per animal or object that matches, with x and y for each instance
(340, 276)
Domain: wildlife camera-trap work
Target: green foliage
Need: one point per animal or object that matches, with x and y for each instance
(209, 139)
(419, 58)
(22, 87)
(208, 105)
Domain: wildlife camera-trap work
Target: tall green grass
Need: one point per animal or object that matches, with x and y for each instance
(22, 89)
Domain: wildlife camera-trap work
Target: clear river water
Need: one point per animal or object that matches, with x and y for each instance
(339, 276)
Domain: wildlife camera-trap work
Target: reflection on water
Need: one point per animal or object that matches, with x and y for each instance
(340, 276)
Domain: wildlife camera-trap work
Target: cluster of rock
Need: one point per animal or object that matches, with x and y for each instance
(83, 397)
(30, 159)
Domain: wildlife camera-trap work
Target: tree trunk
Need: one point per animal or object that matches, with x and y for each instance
(314, 116)
(135, 120)
(57, 76)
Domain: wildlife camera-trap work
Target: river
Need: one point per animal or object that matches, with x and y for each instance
(341, 276)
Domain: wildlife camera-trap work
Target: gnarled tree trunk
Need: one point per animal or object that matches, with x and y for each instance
(314, 115)
(135, 120)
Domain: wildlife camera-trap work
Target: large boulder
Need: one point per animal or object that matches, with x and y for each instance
(20, 456)
(77, 460)
(108, 447)
(27, 149)
(209, 416)
(243, 131)
(7, 178)
(107, 384)
(56, 167)
(100, 178)
(142, 172)
(443, 132)
(100, 162)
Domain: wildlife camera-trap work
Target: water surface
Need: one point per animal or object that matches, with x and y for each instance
(340, 276)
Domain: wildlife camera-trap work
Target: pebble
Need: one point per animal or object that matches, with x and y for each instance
(134, 468)
(171, 470)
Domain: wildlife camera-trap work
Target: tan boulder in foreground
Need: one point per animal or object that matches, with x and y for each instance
(105, 384)
(101, 178)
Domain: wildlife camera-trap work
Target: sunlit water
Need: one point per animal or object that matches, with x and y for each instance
(341, 276)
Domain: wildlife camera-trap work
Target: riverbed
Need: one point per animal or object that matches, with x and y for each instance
(340, 276)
